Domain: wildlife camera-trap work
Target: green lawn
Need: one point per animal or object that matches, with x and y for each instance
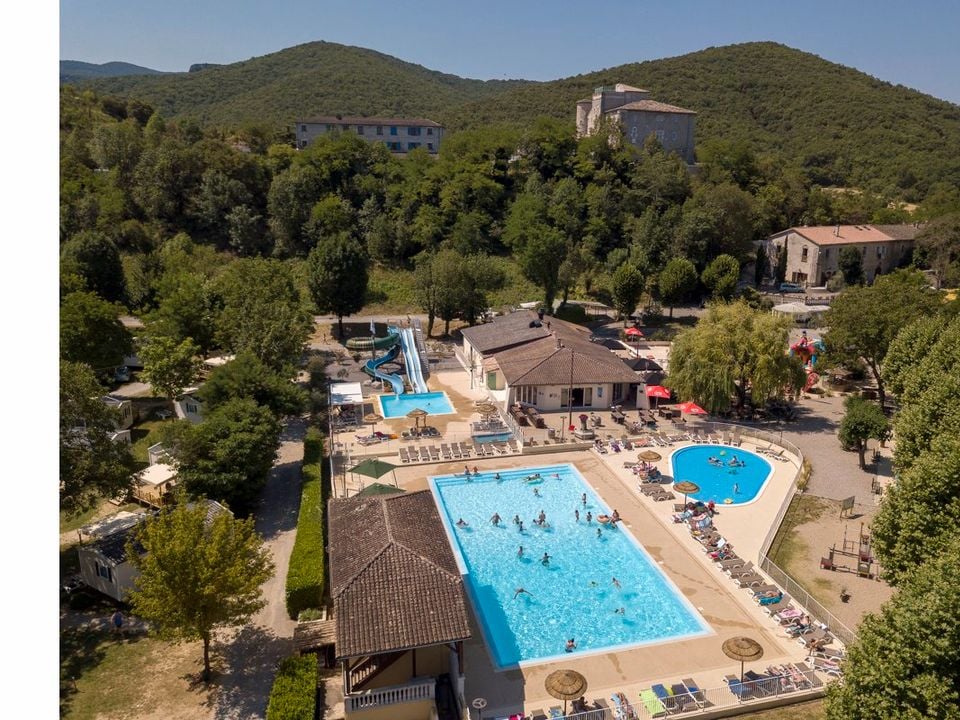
(813, 710)
(144, 435)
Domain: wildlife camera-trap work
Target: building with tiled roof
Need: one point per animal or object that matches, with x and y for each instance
(523, 357)
(813, 252)
(400, 135)
(398, 601)
(640, 117)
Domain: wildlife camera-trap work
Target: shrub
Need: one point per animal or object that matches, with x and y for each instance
(294, 692)
(305, 577)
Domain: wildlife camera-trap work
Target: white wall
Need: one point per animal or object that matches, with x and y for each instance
(123, 574)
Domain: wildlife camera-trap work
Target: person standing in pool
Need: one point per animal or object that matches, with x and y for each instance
(495, 519)
(520, 551)
(536, 492)
(576, 514)
(599, 532)
(589, 517)
(545, 560)
(520, 525)
(583, 499)
(736, 489)
(466, 470)
(516, 519)
(571, 645)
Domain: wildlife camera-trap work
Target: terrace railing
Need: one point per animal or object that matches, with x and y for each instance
(394, 695)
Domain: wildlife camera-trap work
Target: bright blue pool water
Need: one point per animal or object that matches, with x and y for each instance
(435, 403)
(723, 482)
(571, 597)
(492, 437)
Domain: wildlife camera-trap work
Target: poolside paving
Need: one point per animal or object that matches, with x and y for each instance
(729, 611)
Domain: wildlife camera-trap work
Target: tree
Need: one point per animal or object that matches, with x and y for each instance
(910, 345)
(186, 308)
(227, 457)
(626, 286)
(734, 349)
(337, 276)
(905, 662)
(721, 277)
(938, 248)
(449, 284)
(247, 377)
(94, 257)
(850, 263)
(168, 365)
(861, 422)
(197, 574)
(780, 270)
(91, 464)
(427, 287)
(262, 311)
(91, 332)
(760, 266)
(676, 282)
(864, 320)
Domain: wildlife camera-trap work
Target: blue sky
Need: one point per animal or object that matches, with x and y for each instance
(909, 43)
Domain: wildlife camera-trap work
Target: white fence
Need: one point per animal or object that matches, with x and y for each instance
(394, 695)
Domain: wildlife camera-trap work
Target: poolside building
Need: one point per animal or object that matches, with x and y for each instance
(541, 361)
(399, 135)
(400, 614)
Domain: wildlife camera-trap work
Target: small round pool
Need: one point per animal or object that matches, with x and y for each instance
(733, 477)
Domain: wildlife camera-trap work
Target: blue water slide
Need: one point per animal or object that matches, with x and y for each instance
(372, 367)
(411, 359)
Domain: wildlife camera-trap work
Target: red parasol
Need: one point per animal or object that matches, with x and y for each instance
(658, 391)
(691, 408)
(633, 332)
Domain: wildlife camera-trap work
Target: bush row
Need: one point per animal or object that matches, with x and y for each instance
(294, 692)
(305, 577)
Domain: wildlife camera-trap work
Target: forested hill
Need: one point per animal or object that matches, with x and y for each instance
(843, 125)
(74, 71)
(311, 79)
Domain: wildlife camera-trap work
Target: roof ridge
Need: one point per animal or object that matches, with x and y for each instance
(428, 561)
(353, 578)
(537, 364)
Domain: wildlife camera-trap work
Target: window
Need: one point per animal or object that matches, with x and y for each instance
(393, 129)
(826, 254)
(303, 143)
(803, 255)
(412, 145)
(303, 128)
(661, 135)
(429, 131)
(430, 147)
(879, 251)
(103, 571)
(379, 129)
(359, 129)
(413, 131)
(346, 127)
(192, 408)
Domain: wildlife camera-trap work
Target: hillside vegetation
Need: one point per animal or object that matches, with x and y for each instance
(840, 125)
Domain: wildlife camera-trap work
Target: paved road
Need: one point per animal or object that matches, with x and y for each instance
(253, 653)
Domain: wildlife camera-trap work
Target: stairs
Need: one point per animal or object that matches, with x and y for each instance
(368, 668)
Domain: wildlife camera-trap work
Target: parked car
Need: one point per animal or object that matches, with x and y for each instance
(787, 287)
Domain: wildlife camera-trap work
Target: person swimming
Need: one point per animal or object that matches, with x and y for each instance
(536, 492)
(599, 532)
(616, 583)
(462, 523)
(497, 476)
(736, 489)
(516, 519)
(571, 645)
(520, 525)
(521, 591)
(495, 519)
(620, 611)
(545, 560)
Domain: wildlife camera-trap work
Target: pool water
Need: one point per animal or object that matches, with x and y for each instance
(492, 437)
(722, 483)
(435, 403)
(573, 596)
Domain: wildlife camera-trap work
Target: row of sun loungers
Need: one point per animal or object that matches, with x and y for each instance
(456, 451)
(777, 680)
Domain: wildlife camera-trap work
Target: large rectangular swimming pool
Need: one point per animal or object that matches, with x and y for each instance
(572, 595)
(433, 403)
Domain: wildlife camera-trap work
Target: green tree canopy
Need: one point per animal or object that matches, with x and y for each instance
(626, 287)
(262, 311)
(734, 350)
(94, 257)
(938, 248)
(246, 376)
(721, 277)
(198, 573)
(227, 457)
(91, 332)
(863, 321)
(861, 422)
(676, 282)
(91, 464)
(906, 660)
(168, 365)
(850, 262)
(909, 346)
(338, 276)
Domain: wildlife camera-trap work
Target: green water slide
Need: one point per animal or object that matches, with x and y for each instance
(381, 343)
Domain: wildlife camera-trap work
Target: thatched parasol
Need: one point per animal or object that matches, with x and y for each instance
(486, 408)
(686, 487)
(565, 685)
(373, 419)
(650, 456)
(416, 414)
(743, 649)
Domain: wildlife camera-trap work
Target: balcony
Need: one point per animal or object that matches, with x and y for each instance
(415, 691)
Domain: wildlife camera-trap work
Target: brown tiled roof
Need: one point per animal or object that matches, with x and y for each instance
(652, 106)
(514, 329)
(394, 581)
(856, 234)
(361, 120)
(543, 363)
(908, 231)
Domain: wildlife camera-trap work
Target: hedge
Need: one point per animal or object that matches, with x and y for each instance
(305, 577)
(294, 692)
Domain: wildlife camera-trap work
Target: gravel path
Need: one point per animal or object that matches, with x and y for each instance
(253, 652)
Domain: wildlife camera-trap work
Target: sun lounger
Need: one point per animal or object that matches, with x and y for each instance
(403, 455)
(445, 451)
(434, 453)
(827, 653)
(652, 704)
(695, 692)
(750, 580)
(556, 712)
(829, 667)
(762, 684)
(685, 699)
(623, 710)
(811, 678)
(771, 600)
(774, 607)
(670, 703)
(744, 569)
(788, 615)
(760, 589)
(741, 690)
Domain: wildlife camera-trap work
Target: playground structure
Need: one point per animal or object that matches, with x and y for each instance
(859, 549)
(396, 341)
(808, 351)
